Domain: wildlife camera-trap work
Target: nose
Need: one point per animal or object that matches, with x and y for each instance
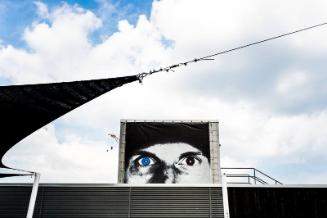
(171, 175)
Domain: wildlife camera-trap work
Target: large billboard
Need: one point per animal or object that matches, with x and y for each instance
(166, 152)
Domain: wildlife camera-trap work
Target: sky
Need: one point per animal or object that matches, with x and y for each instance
(270, 100)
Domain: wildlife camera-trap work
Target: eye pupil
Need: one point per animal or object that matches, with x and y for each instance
(190, 161)
(145, 161)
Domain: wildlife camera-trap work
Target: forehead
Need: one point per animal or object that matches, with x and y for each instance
(170, 152)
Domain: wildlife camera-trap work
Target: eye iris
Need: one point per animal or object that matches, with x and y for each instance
(190, 161)
(145, 161)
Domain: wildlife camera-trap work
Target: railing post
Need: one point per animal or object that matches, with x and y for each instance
(255, 178)
(225, 196)
(35, 188)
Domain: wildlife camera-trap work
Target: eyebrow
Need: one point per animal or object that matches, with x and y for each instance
(146, 153)
(190, 153)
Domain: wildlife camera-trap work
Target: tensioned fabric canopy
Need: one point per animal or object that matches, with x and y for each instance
(26, 108)
(2, 175)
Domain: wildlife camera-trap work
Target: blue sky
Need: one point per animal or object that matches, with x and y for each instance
(269, 99)
(16, 15)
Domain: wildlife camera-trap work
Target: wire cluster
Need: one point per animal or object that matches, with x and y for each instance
(141, 76)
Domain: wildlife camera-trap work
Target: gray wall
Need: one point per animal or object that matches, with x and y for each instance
(69, 201)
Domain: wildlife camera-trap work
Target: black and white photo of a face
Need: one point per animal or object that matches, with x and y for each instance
(168, 163)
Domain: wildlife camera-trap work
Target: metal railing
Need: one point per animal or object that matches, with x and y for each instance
(252, 176)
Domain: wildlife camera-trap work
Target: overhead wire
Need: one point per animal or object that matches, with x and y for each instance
(210, 57)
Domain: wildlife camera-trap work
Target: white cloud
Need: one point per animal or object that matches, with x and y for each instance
(76, 159)
(42, 9)
(242, 90)
(291, 82)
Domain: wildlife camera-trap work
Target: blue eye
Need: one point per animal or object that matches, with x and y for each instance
(145, 161)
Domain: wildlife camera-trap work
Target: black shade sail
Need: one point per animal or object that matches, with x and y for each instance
(26, 108)
(3, 175)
